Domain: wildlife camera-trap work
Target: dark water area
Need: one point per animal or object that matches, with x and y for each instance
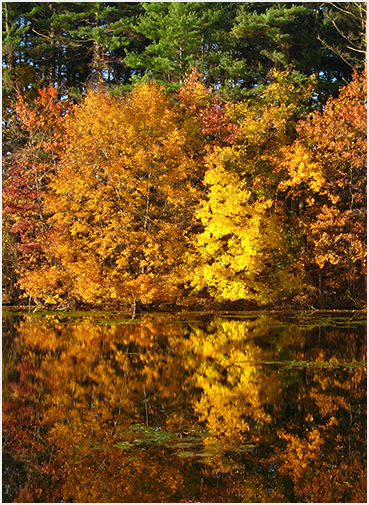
(248, 407)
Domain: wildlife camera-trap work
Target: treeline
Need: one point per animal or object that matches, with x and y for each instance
(188, 177)
(151, 198)
(234, 44)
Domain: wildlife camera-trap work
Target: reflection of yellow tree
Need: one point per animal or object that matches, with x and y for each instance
(236, 392)
(234, 389)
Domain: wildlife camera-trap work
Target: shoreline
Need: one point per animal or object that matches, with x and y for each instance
(219, 309)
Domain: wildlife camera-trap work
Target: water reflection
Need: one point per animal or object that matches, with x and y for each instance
(227, 409)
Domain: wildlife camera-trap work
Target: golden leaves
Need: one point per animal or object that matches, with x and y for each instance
(301, 169)
(123, 199)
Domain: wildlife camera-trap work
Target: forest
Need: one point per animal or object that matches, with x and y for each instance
(184, 154)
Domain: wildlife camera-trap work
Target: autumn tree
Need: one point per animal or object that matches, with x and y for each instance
(122, 203)
(27, 172)
(247, 250)
(205, 113)
(326, 189)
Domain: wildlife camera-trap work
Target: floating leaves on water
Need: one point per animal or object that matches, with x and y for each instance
(192, 446)
(303, 364)
(139, 435)
(183, 445)
(186, 454)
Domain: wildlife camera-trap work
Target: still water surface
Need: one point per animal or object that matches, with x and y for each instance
(250, 407)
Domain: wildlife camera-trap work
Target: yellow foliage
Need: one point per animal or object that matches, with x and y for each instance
(246, 249)
(301, 169)
(270, 115)
(241, 236)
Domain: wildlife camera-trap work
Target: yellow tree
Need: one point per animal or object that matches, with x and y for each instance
(122, 202)
(233, 396)
(246, 249)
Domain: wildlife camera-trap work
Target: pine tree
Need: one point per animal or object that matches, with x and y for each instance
(180, 36)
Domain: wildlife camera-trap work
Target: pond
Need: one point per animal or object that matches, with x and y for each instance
(244, 407)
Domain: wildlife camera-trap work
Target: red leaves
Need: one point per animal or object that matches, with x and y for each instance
(216, 127)
(27, 178)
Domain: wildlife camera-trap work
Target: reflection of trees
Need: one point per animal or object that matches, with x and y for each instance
(270, 434)
(235, 391)
(112, 476)
(323, 469)
(95, 381)
(315, 418)
(23, 389)
(323, 453)
(104, 374)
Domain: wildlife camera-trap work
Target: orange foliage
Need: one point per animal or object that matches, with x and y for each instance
(138, 198)
(326, 183)
(122, 203)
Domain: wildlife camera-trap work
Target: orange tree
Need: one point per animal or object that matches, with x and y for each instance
(122, 203)
(325, 187)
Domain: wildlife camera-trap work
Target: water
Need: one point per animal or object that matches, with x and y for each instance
(251, 407)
